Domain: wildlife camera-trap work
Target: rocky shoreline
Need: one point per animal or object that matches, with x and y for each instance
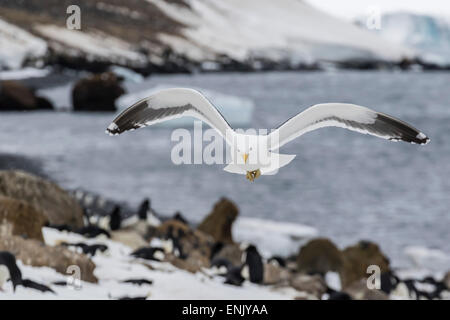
(123, 252)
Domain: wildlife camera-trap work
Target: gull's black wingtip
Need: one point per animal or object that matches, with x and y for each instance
(112, 130)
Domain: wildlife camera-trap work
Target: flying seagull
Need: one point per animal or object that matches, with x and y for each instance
(255, 155)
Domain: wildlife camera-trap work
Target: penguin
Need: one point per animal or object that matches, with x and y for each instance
(277, 261)
(87, 249)
(144, 207)
(92, 231)
(9, 270)
(253, 264)
(138, 282)
(149, 253)
(27, 283)
(115, 219)
(221, 266)
(389, 281)
(337, 295)
(234, 276)
(179, 217)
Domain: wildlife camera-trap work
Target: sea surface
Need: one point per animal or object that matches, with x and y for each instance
(347, 185)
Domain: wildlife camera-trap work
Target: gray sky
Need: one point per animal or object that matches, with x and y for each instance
(348, 9)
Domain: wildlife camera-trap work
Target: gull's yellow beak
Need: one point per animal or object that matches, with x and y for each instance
(245, 156)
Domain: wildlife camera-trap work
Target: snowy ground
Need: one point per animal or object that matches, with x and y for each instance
(17, 45)
(116, 265)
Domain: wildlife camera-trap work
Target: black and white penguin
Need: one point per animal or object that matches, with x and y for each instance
(92, 231)
(9, 269)
(277, 261)
(253, 267)
(220, 266)
(27, 283)
(144, 208)
(234, 276)
(115, 219)
(86, 248)
(149, 253)
(138, 282)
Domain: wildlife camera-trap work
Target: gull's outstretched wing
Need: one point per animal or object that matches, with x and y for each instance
(166, 105)
(349, 116)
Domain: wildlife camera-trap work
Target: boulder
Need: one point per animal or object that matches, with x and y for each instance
(193, 263)
(358, 258)
(15, 96)
(219, 222)
(35, 253)
(231, 252)
(314, 285)
(186, 238)
(274, 274)
(98, 92)
(19, 218)
(319, 256)
(446, 280)
(358, 290)
(57, 205)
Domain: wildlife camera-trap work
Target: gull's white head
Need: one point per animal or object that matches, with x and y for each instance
(247, 149)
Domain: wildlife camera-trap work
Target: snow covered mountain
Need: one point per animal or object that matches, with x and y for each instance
(208, 34)
(428, 35)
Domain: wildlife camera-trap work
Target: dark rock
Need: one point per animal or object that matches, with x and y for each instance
(35, 253)
(219, 222)
(319, 256)
(19, 218)
(55, 203)
(15, 96)
(44, 104)
(97, 93)
(358, 258)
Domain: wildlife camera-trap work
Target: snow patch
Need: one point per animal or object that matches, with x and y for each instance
(18, 45)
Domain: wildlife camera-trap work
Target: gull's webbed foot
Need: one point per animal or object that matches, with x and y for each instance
(252, 175)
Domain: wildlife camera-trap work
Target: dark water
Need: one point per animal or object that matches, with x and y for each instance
(347, 185)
